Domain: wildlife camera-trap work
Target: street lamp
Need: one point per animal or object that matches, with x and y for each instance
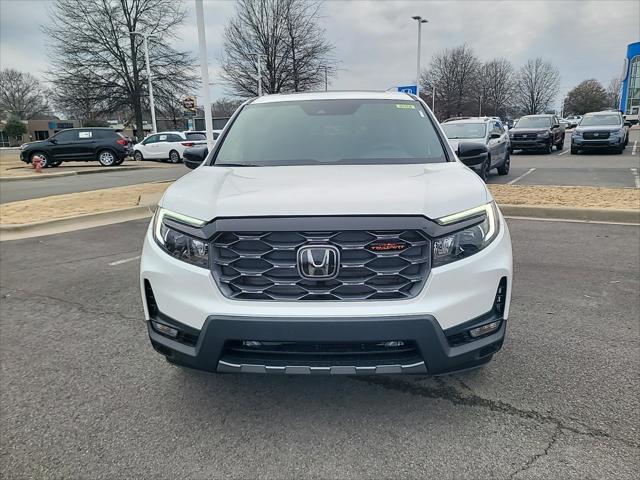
(204, 72)
(420, 21)
(259, 62)
(146, 60)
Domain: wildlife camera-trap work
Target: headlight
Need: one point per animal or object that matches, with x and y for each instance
(543, 135)
(466, 242)
(617, 133)
(178, 244)
(576, 133)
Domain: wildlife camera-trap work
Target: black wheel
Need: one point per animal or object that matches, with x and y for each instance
(483, 173)
(574, 150)
(119, 161)
(549, 148)
(107, 158)
(619, 150)
(137, 156)
(504, 168)
(174, 157)
(560, 146)
(46, 160)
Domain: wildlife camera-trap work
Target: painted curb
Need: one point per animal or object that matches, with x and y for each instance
(74, 172)
(572, 213)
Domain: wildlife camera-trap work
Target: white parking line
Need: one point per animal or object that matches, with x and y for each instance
(636, 176)
(635, 146)
(563, 152)
(521, 176)
(126, 260)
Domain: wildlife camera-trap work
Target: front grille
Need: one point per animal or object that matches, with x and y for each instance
(595, 135)
(321, 353)
(525, 136)
(263, 266)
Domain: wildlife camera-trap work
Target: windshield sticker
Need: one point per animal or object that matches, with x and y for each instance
(405, 105)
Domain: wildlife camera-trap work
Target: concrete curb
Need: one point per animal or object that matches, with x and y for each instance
(73, 173)
(572, 213)
(80, 222)
(90, 220)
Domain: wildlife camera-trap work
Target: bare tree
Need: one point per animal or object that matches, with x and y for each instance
(536, 86)
(94, 55)
(224, 107)
(454, 73)
(614, 91)
(497, 87)
(21, 95)
(285, 37)
(587, 96)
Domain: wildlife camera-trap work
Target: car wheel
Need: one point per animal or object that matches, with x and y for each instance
(560, 145)
(484, 170)
(574, 150)
(619, 150)
(549, 148)
(137, 156)
(46, 161)
(107, 158)
(120, 161)
(504, 168)
(174, 157)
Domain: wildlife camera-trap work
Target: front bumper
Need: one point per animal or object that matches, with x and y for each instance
(436, 352)
(604, 143)
(529, 144)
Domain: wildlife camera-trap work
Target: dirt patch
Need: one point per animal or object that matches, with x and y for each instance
(582, 197)
(11, 166)
(74, 204)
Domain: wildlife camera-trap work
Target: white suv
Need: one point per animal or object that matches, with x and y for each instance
(329, 233)
(168, 145)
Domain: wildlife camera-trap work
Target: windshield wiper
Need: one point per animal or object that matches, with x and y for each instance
(237, 165)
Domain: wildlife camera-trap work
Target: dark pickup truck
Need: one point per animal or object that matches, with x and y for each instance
(537, 132)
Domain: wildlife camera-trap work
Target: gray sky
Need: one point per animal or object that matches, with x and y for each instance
(376, 40)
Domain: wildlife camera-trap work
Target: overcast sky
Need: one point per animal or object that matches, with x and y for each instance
(376, 40)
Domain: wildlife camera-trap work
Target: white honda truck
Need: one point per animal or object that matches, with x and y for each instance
(329, 233)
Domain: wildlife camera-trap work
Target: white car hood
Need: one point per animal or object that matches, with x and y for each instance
(433, 190)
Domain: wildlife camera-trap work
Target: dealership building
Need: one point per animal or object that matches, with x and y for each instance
(630, 97)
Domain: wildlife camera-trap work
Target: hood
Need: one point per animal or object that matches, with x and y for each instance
(37, 143)
(529, 130)
(433, 190)
(599, 128)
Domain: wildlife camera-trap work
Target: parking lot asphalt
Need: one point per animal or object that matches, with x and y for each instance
(26, 189)
(83, 395)
(591, 168)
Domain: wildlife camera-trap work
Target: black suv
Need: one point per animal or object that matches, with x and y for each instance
(537, 132)
(79, 144)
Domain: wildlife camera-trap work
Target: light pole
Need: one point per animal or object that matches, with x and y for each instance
(259, 63)
(204, 72)
(420, 21)
(326, 83)
(146, 60)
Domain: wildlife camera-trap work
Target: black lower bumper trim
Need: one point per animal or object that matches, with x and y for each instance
(436, 355)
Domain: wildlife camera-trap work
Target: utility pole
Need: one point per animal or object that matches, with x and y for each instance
(204, 73)
(151, 102)
(420, 21)
(480, 112)
(326, 83)
(433, 100)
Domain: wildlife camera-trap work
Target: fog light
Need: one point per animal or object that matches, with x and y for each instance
(164, 329)
(394, 344)
(484, 329)
(251, 343)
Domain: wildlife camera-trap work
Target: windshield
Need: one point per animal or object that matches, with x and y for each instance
(534, 122)
(464, 130)
(344, 132)
(195, 136)
(593, 120)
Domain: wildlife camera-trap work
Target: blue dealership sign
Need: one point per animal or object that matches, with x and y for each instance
(409, 89)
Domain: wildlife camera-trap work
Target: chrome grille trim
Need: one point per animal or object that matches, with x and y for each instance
(262, 265)
(228, 367)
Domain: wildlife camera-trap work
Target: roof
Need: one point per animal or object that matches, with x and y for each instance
(471, 120)
(335, 95)
(539, 115)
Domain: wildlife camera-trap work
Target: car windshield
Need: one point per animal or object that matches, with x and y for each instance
(594, 120)
(464, 130)
(345, 132)
(534, 122)
(195, 136)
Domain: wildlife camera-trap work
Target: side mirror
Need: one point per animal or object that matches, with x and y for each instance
(627, 124)
(472, 153)
(53, 140)
(194, 156)
(556, 125)
(495, 135)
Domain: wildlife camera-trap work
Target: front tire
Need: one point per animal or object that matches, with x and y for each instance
(137, 156)
(574, 150)
(46, 160)
(560, 146)
(506, 165)
(107, 158)
(483, 173)
(549, 148)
